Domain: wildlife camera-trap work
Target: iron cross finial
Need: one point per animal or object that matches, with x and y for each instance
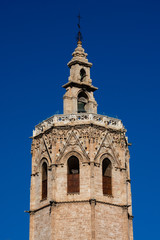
(79, 37)
(79, 20)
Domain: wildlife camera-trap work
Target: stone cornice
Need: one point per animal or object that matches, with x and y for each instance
(80, 85)
(80, 62)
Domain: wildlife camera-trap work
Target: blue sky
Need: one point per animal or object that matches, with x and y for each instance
(122, 39)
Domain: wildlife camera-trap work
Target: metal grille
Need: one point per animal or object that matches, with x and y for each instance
(107, 189)
(73, 183)
(44, 189)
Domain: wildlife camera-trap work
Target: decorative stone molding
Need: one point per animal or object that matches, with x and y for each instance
(44, 159)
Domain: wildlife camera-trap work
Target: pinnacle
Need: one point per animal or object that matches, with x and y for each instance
(79, 51)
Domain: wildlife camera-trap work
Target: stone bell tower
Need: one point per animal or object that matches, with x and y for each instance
(80, 181)
(79, 90)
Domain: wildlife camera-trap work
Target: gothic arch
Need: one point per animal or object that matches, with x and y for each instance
(79, 91)
(73, 144)
(70, 154)
(108, 156)
(44, 159)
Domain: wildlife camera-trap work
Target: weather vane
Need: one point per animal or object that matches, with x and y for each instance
(79, 36)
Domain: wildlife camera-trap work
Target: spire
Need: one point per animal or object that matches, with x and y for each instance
(79, 96)
(79, 55)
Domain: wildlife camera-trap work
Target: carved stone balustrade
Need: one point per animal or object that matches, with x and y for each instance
(78, 119)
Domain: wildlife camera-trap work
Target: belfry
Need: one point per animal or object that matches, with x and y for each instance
(80, 181)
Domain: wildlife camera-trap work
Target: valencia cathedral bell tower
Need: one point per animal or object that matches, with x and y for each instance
(79, 89)
(80, 181)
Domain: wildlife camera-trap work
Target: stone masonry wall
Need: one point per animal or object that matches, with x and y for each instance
(73, 221)
(110, 222)
(42, 225)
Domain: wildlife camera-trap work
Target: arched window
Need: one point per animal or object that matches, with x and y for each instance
(82, 101)
(73, 175)
(106, 176)
(82, 74)
(44, 180)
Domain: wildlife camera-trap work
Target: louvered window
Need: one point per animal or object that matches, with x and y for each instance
(44, 180)
(107, 177)
(73, 175)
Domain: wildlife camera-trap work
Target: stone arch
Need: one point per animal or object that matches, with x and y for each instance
(107, 155)
(44, 159)
(80, 90)
(70, 154)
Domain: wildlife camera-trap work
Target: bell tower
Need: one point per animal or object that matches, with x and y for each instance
(79, 89)
(80, 181)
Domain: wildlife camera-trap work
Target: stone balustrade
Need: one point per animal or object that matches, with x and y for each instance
(76, 119)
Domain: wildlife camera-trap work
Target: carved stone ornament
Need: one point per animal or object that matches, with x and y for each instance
(72, 141)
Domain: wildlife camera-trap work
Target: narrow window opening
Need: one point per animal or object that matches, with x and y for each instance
(106, 177)
(44, 180)
(73, 175)
(82, 74)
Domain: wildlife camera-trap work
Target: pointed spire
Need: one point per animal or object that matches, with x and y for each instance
(79, 53)
(79, 56)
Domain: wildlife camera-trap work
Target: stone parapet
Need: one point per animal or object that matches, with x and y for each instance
(78, 119)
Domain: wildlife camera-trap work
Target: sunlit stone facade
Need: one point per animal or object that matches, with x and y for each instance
(80, 181)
